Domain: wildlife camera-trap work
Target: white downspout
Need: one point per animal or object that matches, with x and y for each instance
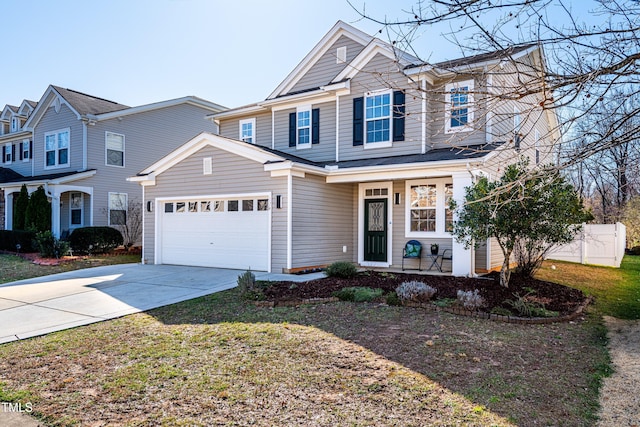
(273, 130)
(84, 145)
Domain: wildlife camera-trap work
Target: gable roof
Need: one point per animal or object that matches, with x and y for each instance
(339, 29)
(85, 104)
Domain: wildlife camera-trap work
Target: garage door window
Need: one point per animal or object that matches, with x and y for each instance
(180, 207)
(247, 205)
(193, 206)
(232, 206)
(263, 204)
(168, 207)
(218, 206)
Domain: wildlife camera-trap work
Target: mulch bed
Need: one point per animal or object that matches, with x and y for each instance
(555, 297)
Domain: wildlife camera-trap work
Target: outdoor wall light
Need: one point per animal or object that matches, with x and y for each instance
(279, 201)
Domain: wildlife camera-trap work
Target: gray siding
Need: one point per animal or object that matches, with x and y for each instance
(231, 128)
(325, 150)
(322, 222)
(20, 166)
(52, 121)
(326, 68)
(231, 174)
(381, 73)
(400, 238)
(149, 136)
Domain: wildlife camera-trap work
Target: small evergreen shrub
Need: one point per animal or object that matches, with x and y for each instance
(445, 302)
(341, 269)
(10, 238)
(358, 294)
(49, 246)
(634, 251)
(527, 307)
(415, 291)
(95, 239)
(250, 290)
(392, 299)
(470, 300)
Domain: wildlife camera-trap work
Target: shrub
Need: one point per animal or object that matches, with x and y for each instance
(392, 299)
(415, 291)
(634, 250)
(95, 239)
(38, 211)
(445, 302)
(358, 294)
(249, 289)
(470, 300)
(527, 307)
(342, 269)
(49, 246)
(10, 238)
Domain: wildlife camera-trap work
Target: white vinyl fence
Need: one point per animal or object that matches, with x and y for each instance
(599, 244)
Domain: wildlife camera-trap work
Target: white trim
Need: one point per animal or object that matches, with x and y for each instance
(57, 165)
(126, 198)
(85, 145)
(273, 130)
(423, 146)
(337, 128)
(488, 127)
(440, 209)
(191, 100)
(71, 225)
(379, 144)
(252, 122)
(27, 143)
(361, 197)
(375, 47)
(106, 156)
(341, 55)
(303, 109)
(205, 139)
(289, 222)
(338, 30)
(470, 106)
(207, 166)
(158, 211)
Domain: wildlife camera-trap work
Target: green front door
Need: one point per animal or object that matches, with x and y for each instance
(375, 230)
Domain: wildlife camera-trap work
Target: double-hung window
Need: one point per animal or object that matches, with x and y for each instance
(114, 145)
(118, 208)
(25, 149)
(459, 106)
(76, 203)
(378, 117)
(247, 130)
(15, 124)
(7, 153)
(56, 145)
(303, 125)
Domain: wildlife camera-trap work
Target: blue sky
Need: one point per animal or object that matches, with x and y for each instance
(135, 52)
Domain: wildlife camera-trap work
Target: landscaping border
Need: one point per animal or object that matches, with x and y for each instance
(460, 311)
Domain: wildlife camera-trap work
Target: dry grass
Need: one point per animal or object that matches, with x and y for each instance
(218, 361)
(16, 268)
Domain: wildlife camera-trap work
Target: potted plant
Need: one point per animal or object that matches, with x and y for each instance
(434, 249)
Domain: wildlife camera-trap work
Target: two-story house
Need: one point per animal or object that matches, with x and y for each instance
(357, 151)
(81, 148)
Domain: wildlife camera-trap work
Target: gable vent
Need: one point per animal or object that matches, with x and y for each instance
(341, 55)
(207, 168)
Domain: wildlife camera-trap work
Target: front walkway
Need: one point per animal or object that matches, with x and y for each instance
(38, 306)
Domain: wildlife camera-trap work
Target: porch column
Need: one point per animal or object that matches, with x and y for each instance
(55, 214)
(463, 259)
(8, 209)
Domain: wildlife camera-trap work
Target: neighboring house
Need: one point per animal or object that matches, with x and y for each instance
(357, 151)
(81, 149)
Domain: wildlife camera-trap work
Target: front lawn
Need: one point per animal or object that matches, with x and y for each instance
(14, 268)
(616, 290)
(218, 361)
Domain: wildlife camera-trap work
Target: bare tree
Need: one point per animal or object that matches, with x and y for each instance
(587, 59)
(127, 219)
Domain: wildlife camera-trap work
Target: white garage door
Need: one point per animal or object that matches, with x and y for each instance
(225, 233)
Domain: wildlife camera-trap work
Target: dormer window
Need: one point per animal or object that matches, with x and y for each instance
(247, 130)
(15, 124)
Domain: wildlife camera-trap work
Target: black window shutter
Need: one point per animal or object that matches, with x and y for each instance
(31, 149)
(315, 126)
(13, 152)
(292, 130)
(398, 115)
(3, 156)
(358, 121)
(21, 150)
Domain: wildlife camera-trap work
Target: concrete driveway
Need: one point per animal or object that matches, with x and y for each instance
(38, 306)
